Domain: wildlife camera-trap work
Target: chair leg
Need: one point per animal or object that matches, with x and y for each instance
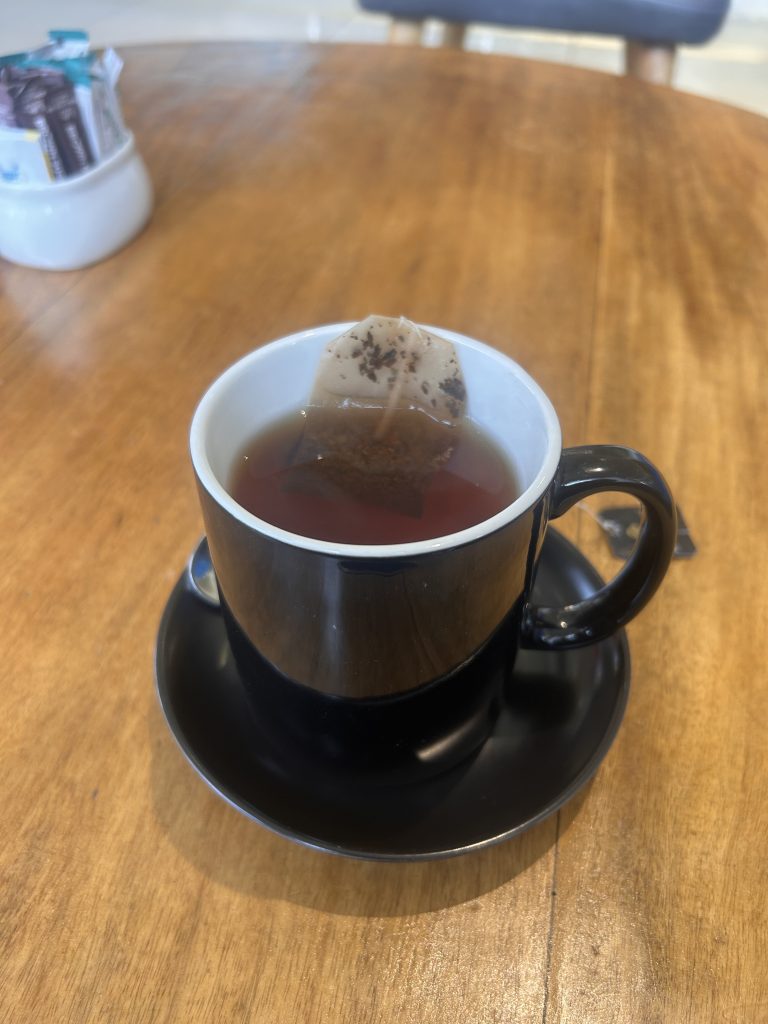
(453, 35)
(653, 62)
(405, 31)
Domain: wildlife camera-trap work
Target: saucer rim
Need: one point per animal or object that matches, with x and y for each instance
(250, 811)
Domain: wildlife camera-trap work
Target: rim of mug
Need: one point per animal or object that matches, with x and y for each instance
(511, 512)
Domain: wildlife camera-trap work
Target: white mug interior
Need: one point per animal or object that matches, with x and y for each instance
(276, 379)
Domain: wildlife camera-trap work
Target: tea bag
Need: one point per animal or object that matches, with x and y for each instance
(387, 400)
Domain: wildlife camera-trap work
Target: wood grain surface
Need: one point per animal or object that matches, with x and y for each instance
(609, 235)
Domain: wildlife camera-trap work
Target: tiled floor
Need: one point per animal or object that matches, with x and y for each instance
(733, 68)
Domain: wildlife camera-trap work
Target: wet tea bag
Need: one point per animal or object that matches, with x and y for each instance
(387, 400)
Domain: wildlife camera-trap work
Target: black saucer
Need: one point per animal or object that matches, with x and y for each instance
(560, 715)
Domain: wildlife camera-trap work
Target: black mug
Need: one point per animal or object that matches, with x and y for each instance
(391, 659)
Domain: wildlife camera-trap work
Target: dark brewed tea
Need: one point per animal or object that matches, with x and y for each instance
(421, 480)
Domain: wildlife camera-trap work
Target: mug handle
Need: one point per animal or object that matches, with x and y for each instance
(588, 470)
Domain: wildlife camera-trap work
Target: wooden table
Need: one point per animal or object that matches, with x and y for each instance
(612, 237)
